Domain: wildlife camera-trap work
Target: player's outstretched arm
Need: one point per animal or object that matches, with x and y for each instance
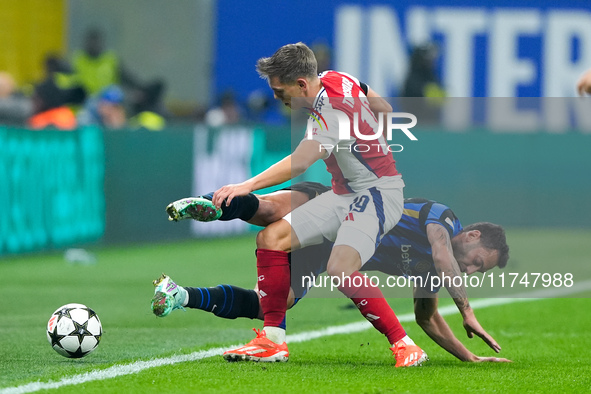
(447, 267)
(297, 163)
(274, 175)
(276, 205)
(584, 83)
(377, 103)
(435, 326)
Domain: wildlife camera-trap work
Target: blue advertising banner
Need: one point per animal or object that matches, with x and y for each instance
(484, 48)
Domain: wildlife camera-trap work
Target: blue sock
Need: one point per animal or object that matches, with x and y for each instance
(241, 207)
(224, 301)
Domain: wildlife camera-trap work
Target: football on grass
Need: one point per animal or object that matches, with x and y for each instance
(74, 330)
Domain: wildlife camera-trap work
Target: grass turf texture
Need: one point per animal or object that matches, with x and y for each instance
(546, 339)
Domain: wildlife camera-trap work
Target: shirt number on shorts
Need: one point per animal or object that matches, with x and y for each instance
(359, 204)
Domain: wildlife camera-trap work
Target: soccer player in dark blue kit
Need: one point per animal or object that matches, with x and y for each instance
(427, 237)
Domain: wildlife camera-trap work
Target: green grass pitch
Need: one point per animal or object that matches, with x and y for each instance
(548, 339)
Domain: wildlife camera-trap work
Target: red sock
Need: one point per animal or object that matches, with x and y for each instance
(373, 306)
(274, 282)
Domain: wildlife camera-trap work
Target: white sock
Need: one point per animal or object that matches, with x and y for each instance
(182, 296)
(275, 334)
(406, 340)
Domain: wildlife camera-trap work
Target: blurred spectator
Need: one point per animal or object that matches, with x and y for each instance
(422, 82)
(147, 120)
(95, 69)
(228, 111)
(264, 109)
(55, 66)
(15, 108)
(105, 110)
(421, 79)
(7, 85)
(323, 56)
(49, 111)
(50, 100)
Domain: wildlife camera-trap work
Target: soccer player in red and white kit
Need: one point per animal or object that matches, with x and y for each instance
(366, 201)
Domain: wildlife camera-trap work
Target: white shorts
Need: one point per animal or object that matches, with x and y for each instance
(358, 220)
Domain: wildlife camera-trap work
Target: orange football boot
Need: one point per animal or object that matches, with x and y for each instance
(408, 355)
(259, 349)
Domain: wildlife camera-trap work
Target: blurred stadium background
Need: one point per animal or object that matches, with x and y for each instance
(210, 120)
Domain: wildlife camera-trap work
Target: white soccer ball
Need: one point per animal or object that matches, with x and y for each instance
(74, 330)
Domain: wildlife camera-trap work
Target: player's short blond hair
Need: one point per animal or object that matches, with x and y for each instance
(290, 62)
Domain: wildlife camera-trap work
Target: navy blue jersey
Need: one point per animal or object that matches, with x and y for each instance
(405, 250)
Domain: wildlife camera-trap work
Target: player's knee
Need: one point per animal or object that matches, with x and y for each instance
(338, 270)
(333, 270)
(266, 239)
(274, 237)
(290, 299)
(343, 261)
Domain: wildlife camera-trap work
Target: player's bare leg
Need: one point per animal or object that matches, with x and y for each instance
(260, 210)
(274, 206)
(273, 272)
(278, 236)
(344, 260)
(344, 265)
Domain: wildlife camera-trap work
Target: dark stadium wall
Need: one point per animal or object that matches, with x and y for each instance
(144, 171)
(517, 179)
(525, 180)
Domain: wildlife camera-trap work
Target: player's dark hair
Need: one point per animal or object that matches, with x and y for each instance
(290, 62)
(492, 236)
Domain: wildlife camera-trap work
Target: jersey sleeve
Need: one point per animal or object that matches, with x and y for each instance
(364, 87)
(444, 216)
(350, 77)
(331, 118)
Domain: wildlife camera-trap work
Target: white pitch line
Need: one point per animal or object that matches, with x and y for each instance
(446, 310)
(138, 366)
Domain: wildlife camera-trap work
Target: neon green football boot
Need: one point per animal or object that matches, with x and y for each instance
(198, 208)
(167, 296)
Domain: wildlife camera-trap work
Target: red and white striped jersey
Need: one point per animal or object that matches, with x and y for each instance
(354, 163)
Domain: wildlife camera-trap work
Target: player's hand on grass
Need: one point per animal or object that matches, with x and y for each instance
(228, 192)
(491, 360)
(474, 328)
